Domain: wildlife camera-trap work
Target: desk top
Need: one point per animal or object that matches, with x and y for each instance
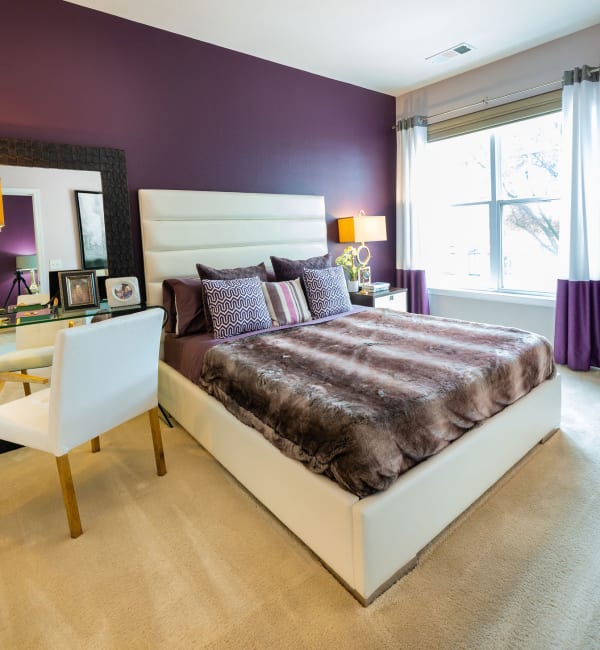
(29, 315)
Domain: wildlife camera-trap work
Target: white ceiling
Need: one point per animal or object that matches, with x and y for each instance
(376, 44)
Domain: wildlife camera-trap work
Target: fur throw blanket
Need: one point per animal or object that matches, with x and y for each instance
(365, 397)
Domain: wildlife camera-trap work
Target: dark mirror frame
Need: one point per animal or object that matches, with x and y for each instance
(113, 171)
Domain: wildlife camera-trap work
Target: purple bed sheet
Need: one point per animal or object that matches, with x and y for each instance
(186, 353)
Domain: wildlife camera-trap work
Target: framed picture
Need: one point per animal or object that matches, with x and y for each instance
(122, 292)
(364, 275)
(78, 289)
(92, 234)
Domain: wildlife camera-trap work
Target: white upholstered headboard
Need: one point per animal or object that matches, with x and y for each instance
(224, 230)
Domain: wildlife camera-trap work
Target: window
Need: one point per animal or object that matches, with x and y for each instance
(494, 220)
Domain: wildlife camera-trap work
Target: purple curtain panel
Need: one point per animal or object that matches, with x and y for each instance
(577, 327)
(414, 281)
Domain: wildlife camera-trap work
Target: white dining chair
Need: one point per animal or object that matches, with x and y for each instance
(34, 345)
(103, 375)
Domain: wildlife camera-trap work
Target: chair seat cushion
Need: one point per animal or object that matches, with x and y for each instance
(27, 358)
(25, 421)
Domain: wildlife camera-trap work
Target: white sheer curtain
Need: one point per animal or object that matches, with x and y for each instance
(577, 334)
(580, 223)
(410, 201)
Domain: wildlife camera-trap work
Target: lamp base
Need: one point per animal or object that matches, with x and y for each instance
(363, 251)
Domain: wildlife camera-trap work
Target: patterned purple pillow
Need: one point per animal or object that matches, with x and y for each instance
(326, 291)
(236, 306)
(286, 269)
(210, 273)
(286, 302)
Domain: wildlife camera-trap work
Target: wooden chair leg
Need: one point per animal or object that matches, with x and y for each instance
(159, 454)
(95, 442)
(26, 386)
(68, 491)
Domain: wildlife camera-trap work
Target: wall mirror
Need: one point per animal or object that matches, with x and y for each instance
(111, 166)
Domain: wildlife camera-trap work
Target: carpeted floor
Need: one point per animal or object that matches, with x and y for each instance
(191, 560)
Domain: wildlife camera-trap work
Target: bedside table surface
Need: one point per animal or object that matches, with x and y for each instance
(368, 299)
(393, 298)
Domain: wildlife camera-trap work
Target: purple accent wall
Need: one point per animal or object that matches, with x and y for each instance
(17, 238)
(190, 115)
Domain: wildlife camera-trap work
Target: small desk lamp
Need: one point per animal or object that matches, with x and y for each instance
(23, 263)
(362, 229)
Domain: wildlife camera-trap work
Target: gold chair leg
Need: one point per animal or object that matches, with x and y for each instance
(95, 442)
(159, 454)
(68, 491)
(26, 386)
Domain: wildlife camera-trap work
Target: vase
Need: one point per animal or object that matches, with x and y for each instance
(352, 285)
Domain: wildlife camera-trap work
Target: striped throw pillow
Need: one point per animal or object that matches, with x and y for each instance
(286, 302)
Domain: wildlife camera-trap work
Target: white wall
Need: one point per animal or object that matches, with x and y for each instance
(57, 233)
(537, 318)
(540, 65)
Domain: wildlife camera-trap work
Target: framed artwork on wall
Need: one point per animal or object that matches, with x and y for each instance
(92, 233)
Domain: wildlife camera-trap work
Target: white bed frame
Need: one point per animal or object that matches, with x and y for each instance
(367, 543)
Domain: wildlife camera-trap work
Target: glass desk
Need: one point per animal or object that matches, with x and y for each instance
(29, 315)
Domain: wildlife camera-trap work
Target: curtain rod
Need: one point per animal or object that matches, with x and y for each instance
(487, 100)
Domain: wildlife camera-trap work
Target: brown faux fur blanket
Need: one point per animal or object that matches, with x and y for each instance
(365, 397)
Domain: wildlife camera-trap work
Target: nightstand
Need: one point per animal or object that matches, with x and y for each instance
(392, 299)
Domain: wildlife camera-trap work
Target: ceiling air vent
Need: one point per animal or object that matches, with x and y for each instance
(451, 53)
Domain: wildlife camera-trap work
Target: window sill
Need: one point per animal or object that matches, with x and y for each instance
(537, 300)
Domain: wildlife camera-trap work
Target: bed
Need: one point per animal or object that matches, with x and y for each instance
(367, 543)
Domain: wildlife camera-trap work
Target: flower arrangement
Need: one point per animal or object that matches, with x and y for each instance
(348, 260)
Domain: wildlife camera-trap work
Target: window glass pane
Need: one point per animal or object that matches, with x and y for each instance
(458, 250)
(460, 168)
(525, 233)
(530, 246)
(529, 152)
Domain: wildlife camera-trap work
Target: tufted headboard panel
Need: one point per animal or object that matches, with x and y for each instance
(224, 230)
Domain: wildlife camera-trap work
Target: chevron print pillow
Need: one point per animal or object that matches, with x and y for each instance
(236, 306)
(326, 291)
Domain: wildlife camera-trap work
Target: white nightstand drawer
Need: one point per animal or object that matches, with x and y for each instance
(395, 301)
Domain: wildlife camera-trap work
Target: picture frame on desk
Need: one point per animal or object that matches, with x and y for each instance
(78, 290)
(122, 292)
(364, 275)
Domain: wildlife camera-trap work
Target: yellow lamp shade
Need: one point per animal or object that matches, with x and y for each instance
(362, 229)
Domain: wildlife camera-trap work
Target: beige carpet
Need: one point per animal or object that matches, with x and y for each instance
(190, 560)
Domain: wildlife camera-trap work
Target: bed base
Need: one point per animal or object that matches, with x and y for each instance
(368, 544)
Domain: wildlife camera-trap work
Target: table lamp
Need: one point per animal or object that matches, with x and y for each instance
(27, 263)
(362, 228)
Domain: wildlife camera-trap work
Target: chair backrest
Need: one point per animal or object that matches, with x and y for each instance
(33, 299)
(35, 335)
(103, 375)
